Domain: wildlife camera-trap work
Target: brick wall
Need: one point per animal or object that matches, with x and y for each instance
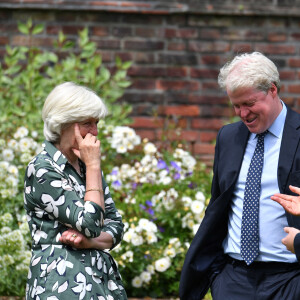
(176, 49)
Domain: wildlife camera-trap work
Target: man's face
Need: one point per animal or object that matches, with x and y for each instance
(257, 109)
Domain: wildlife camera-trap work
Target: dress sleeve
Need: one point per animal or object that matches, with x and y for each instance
(50, 193)
(113, 220)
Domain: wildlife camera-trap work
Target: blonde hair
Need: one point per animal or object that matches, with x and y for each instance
(68, 103)
(249, 70)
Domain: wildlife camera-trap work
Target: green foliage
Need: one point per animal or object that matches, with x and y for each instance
(28, 74)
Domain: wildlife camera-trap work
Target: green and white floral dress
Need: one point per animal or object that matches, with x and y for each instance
(54, 194)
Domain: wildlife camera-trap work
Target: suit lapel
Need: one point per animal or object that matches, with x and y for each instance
(289, 143)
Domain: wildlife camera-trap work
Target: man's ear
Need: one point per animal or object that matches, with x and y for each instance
(273, 90)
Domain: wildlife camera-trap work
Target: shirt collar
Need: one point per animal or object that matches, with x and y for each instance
(277, 126)
(55, 154)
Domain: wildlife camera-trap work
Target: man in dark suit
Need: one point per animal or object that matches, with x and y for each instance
(237, 251)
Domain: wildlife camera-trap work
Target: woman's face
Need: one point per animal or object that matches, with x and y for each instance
(67, 138)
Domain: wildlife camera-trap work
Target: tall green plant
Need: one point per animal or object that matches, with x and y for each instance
(28, 74)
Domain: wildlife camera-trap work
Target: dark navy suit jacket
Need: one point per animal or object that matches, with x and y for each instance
(205, 255)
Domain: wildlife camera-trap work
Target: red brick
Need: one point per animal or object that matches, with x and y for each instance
(210, 59)
(177, 72)
(208, 123)
(276, 49)
(180, 110)
(147, 71)
(148, 134)
(144, 122)
(212, 34)
(178, 59)
(207, 73)
(254, 36)
(296, 36)
(100, 31)
(294, 62)
(144, 57)
(200, 148)
(242, 47)
(294, 88)
(207, 136)
(138, 97)
(213, 85)
(212, 47)
(177, 85)
(143, 84)
(176, 46)
(277, 37)
(216, 111)
(22, 40)
(143, 45)
(185, 33)
(145, 32)
(122, 32)
(288, 75)
(4, 40)
(108, 44)
(125, 56)
(208, 99)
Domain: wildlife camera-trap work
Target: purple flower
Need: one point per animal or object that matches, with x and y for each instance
(151, 211)
(143, 207)
(176, 176)
(149, 203)
(114, 172)
(117, 183)
(161, 164)
(134, 185)
(175, 166)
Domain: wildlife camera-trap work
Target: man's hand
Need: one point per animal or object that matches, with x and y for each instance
(290, 203)
(288, 241)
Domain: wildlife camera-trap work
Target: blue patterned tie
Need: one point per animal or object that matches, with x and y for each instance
(249, 232)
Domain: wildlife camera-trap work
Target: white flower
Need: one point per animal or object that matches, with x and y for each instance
(13, 170)
(186, 200)
(12, 144)
(143, 223)
(162, 264)
(195, 228)
(137, 282)
(128, 235)
(8, 155)
(145, 276)
(136, 240)
(197, 206)
(170, 252)
(150, 148)
(151, 237)
(21, 132)
(25, 144)
(200, 196)
(150, 269)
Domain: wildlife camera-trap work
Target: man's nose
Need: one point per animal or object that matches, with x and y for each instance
(244, 112)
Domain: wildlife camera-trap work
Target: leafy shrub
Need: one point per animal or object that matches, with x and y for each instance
(160, 193)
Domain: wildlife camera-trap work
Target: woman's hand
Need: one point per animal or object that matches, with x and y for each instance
(77, 240)
(290, 203)
(88, 148)
(288, 241)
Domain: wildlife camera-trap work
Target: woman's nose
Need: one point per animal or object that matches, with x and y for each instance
(94, 130)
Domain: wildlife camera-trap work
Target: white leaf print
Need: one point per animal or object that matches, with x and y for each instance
(89, 270)
(101, 298)
(46, 198)
(78, 203)
(68, 212)
(38, 235)
(36, 261)
(27, 189)
(106, 190)
(52, 298)
(41, 172)
(80, 278)
(89, 287)
(30, 170)
(109, 201)
(61, 267)
(55, 286)
(111, 285)
(99, 264)
(60, 200)
(109, 297)
(63, 287)
(77, 289)
(89, 207)
(51, 266)
(55, 183)
(56, 156)
(87, 232)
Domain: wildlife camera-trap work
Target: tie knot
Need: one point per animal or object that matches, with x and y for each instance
(262, 135)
